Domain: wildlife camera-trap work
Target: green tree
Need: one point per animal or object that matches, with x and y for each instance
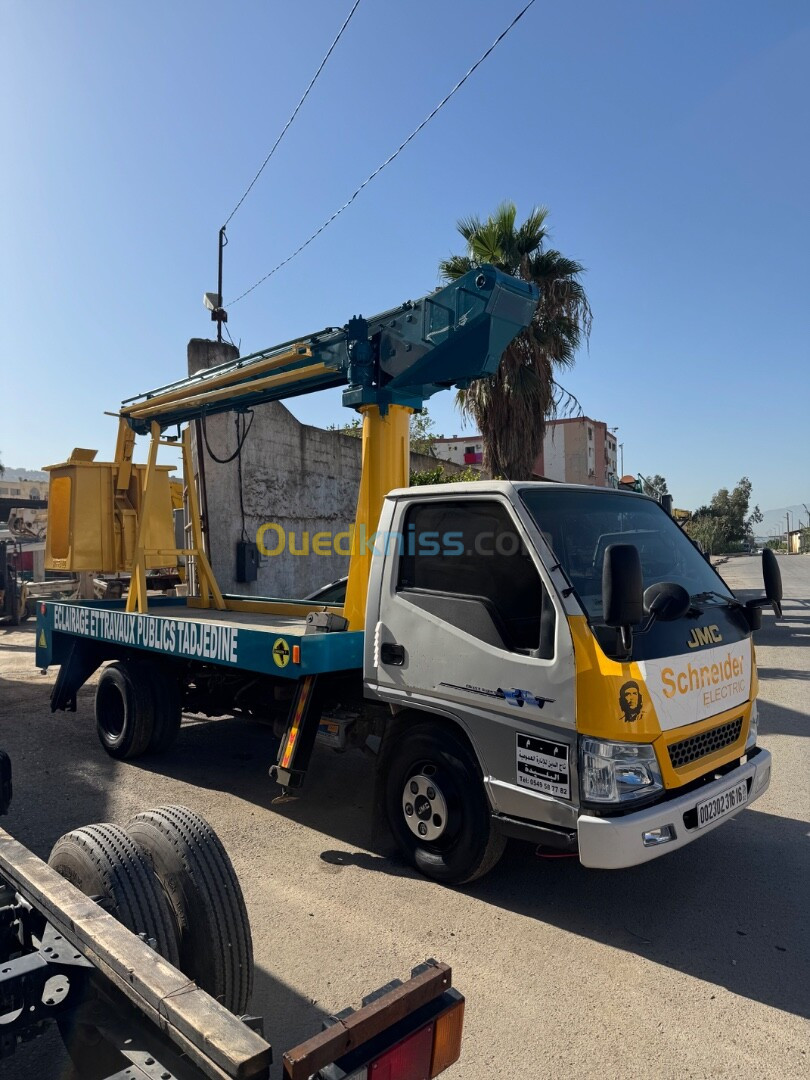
(726, 523)
(422, 435)
(511, 406)
(438, 475)
(655, 485)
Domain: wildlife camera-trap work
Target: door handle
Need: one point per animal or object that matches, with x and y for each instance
(392, 654)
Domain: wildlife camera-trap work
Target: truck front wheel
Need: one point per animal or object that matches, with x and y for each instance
(436, 805)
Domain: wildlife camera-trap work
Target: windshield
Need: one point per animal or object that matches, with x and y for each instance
(579, 525)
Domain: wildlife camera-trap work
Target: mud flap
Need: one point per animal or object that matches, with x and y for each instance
(82, 660)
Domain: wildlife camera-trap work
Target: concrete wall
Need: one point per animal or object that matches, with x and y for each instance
(302, 479)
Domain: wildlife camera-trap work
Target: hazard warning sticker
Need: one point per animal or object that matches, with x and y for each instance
(281, 652)
(543, 766)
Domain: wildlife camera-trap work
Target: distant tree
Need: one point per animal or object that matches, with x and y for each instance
(422, 435)
(705, 529)
(2, 467)
(354, 428)
(726, 524)
(438, 475)
(511, 406)
(655, 485)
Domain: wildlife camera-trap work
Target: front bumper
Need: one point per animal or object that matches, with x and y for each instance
(613, 843)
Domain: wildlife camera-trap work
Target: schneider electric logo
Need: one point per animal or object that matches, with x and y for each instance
(688, 688)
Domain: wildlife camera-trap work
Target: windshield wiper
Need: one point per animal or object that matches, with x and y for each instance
(729, 601)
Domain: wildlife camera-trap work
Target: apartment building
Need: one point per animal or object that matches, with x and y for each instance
(575, 451)
(578, 451)
(466, 450)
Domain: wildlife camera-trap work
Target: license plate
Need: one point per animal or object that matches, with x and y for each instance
(720, 805)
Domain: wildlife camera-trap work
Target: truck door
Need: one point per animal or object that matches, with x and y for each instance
(471, 627)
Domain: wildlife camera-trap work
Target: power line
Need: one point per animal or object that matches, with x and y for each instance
(295, 111)
(389, 159)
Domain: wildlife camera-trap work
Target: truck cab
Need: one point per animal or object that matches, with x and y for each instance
(562, 665)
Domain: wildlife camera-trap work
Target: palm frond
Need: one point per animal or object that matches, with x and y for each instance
(485, 245)
(468, 226)
(532, 232)
(565, 403)
(456, 266)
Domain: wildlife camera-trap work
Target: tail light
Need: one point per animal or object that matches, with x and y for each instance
(408, 1060)
(403, 1031)
(420, 1055)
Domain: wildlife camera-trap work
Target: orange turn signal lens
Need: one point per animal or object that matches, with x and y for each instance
(296, 658)
(447, 1039)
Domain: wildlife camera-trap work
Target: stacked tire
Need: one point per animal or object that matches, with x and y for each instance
(166, 876)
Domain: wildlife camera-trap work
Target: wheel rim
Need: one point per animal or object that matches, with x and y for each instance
(424, 806)
(111, 711)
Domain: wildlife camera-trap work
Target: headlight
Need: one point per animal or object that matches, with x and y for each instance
(753, 727)
(617, 772)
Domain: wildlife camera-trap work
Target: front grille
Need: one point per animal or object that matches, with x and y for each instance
(698, 746)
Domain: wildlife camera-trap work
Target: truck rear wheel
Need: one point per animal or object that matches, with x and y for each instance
(187, 856)
(125, 713)
(436, 805)
(168, 712)
(103, 861)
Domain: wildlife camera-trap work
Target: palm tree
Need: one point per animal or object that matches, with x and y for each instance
(511, 406)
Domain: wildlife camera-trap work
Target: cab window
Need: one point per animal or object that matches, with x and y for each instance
(464, 561)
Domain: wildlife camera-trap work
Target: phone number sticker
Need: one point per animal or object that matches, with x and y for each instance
(543, 766)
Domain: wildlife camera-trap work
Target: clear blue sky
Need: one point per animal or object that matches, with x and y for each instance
(668, 139)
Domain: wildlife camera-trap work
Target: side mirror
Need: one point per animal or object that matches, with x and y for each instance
(772, 576)
(666, 601)
(622, 590)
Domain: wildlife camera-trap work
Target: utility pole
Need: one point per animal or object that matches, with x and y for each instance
(621, 466)
(787, 534)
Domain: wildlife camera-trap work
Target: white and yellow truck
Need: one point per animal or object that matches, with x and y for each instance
(545, 661)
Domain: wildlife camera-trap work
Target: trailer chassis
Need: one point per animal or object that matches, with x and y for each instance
(63, 958)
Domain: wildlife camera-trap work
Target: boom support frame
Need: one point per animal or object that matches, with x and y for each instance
(388, 365)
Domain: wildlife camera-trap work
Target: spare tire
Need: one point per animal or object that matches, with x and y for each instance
(187, 856)
(103, 861)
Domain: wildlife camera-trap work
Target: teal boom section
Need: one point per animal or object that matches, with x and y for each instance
(399, 357)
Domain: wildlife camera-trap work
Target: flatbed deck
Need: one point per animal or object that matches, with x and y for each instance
(260, 640)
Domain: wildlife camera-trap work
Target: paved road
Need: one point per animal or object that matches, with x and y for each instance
(694, 966)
